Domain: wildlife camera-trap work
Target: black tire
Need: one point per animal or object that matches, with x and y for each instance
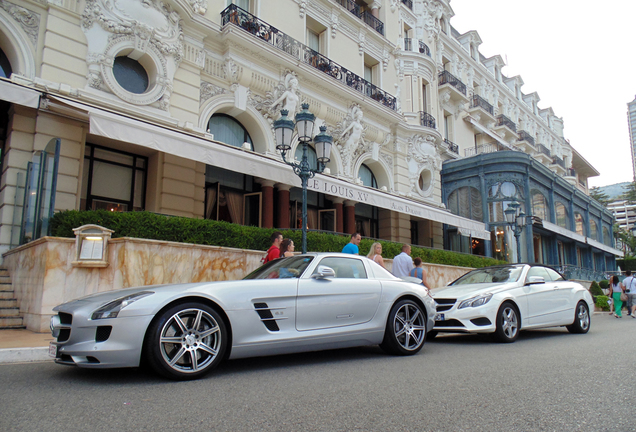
(582, 319)
(508, 323)
(432, 334)
(186, 341)
(405, 332)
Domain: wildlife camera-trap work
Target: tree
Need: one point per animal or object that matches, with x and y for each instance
(630, 193)
(628, 240)
(600, 196)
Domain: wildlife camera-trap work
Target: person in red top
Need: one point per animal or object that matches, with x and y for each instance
(274, 250)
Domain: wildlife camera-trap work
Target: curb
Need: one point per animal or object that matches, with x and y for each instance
(21, 355)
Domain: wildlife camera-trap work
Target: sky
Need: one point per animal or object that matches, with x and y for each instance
(578, 56)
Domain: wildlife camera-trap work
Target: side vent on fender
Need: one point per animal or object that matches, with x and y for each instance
(265, 313)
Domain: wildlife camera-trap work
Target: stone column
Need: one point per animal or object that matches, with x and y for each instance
(267, 187)
(283, 205)
(349, 217)
(338, 204)
(375, 9)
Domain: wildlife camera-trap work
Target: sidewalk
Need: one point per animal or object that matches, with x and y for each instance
(24, 346)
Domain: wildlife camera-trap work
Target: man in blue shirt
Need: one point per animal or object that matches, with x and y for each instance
(352, 246)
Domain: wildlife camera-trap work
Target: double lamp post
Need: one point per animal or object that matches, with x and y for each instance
(284, 132)
(517, 220)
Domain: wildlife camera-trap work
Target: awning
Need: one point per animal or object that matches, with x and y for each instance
(121, 128)
(19, 95)
(488, 132)
(582, 239)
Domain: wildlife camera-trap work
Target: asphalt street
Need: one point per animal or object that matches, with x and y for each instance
(548, 380)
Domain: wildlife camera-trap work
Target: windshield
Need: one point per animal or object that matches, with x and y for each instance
(489, 275)
(292, 267)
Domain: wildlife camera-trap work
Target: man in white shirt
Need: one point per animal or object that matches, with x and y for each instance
(403, 263)
(630, 289)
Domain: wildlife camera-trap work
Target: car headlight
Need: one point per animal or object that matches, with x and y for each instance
(112, 309)
(475, 301)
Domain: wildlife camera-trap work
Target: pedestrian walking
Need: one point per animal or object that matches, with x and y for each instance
(287, 248)
(630, 289)
(419, 272)
(274, 250)
(403, 263)
(375, 253)
(617, 290)
(352, 246)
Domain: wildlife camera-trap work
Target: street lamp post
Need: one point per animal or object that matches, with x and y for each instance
(517, 221)
(284, 131)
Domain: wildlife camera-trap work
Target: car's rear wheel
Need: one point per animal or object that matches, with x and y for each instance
(507, 323)
(186, 341)
(405, 329)
(582, 319)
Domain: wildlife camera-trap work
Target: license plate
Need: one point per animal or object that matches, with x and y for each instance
(52, 350)
(439, 317)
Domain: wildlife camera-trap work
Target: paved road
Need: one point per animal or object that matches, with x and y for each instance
(547, 381)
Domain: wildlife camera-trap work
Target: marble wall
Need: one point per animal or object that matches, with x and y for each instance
(43, 276)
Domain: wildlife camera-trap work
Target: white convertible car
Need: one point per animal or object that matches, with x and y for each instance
(302, 303)
(506, 299)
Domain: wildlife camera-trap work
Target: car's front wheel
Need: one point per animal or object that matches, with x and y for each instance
(405, 329)
(507, 323)
(582, 319)
(186, 341)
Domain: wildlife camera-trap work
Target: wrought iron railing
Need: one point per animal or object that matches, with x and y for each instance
(558, 161)
(525, 136)
(408, 44)
(543, 149)
(446, 77)
(408, 3)
(424, 49)
(480, 102)
(452, 146)
(427, 120)
(372, 21)
(570, 172)
(237, 16)
(351, 6)
(502, 120)
(483, 148)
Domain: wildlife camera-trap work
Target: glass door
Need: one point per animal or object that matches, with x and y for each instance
(252, 209)
(327, 220)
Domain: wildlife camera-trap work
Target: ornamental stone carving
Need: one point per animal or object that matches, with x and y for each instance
(199, 6)
(208, 91)
(147, 31)
(425, 163)
(349, 137)
(29, 21)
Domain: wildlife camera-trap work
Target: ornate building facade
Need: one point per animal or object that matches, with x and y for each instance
(168, 106)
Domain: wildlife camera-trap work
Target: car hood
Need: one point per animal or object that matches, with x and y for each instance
(471, 290)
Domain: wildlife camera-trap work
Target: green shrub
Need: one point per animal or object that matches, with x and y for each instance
(601, 302)
(153, 226)
(595, 289)
(604, 284)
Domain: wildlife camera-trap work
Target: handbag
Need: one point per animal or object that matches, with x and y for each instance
(623, 297)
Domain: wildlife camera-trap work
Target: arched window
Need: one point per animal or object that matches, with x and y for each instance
(368, 179)
(579, 220)
(130, 74)
(540, 206)
(607, 240)
(5, 66)
(229, 131)
(312, 158)
(593, 230)
(466, 202)
(562, 216)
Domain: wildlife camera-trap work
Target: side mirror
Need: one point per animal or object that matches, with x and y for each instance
(532, 280)
(323, 272)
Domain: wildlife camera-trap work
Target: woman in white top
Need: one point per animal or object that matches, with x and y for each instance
(617, 290)
(375, 253)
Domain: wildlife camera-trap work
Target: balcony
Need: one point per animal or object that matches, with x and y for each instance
(480, 106)
(480, 102)
(570, 176)
(506, 127)
(423, 48)
(365, 16)
(248, 22)
(427, 120)
(525, 142)
(454, 148)
(525, 136)
(454, 85)
(558, 166)
(408, 3)
(543, 154)
(490, 147)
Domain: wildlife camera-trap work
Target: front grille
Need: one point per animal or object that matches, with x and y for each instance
(64, 335)
(481, 321)
(449, 323)
(266, 316)
(65, 318)
(444, 304)
(102, 333)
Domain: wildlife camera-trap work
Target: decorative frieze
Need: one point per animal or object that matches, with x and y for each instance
(29, 21)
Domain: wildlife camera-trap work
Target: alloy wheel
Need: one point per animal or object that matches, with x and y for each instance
(409, 326)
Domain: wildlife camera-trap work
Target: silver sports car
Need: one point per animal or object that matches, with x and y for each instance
(302, 303)
(506, 299)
